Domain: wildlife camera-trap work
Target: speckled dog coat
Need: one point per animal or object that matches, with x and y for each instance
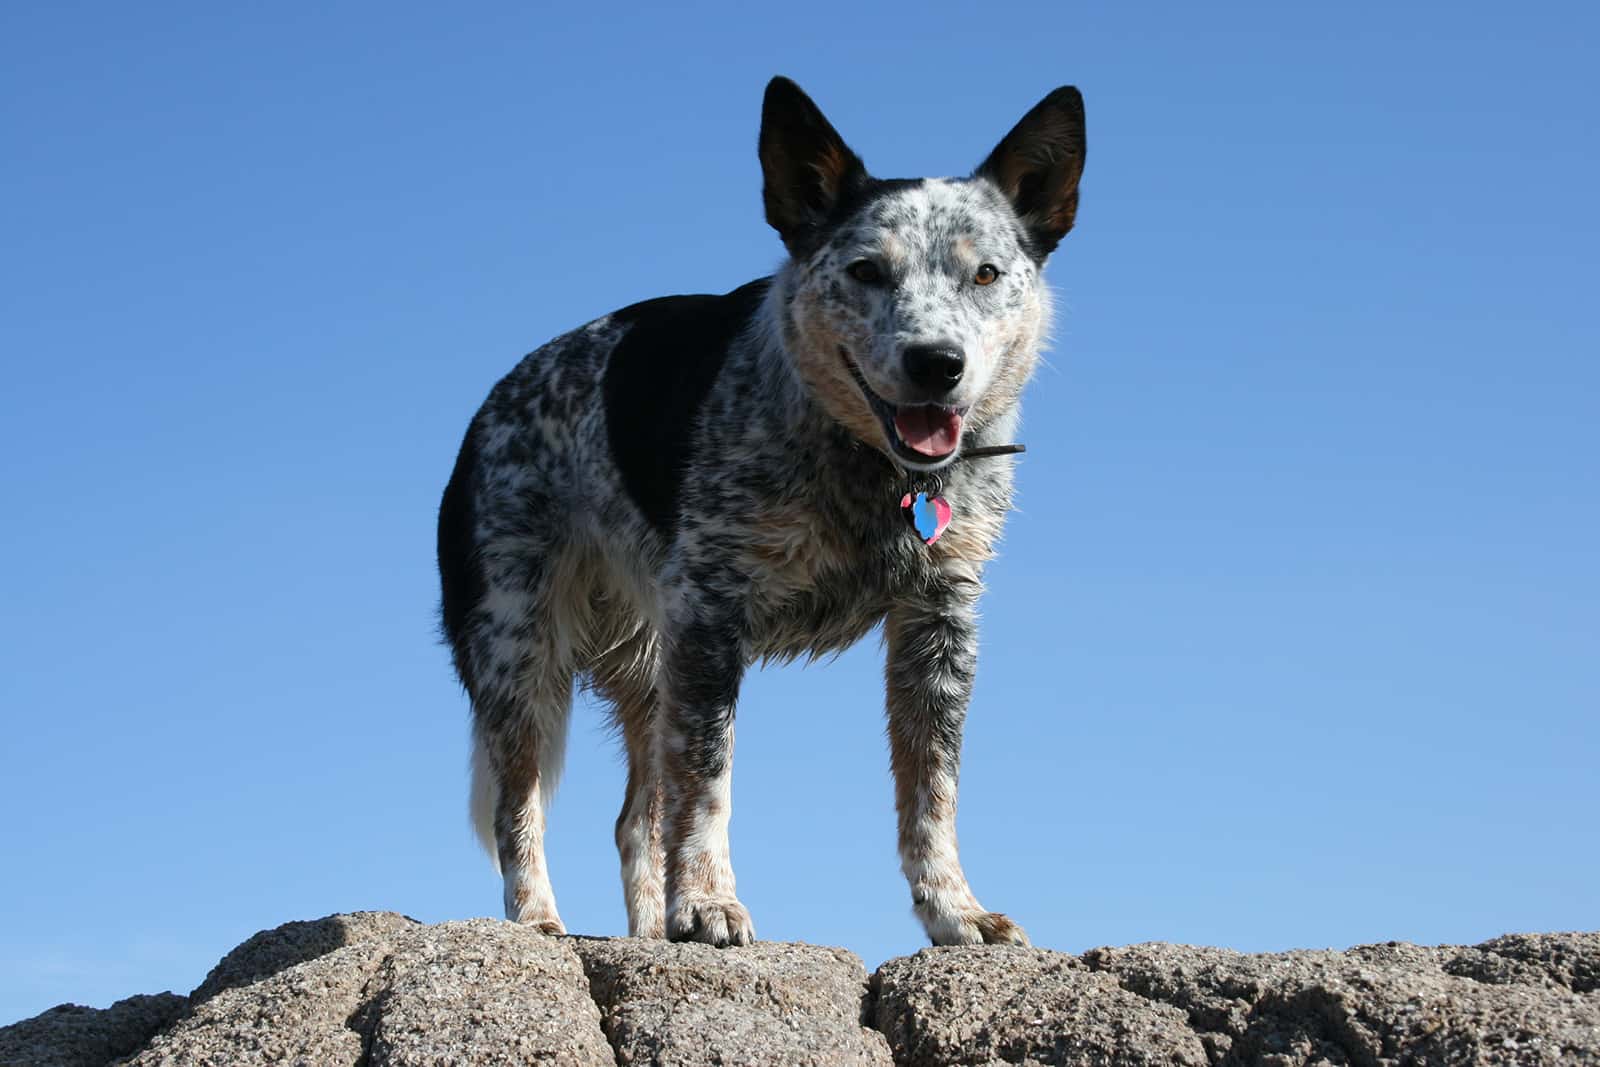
(655, 501)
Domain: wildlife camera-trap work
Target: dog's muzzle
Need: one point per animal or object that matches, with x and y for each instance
(921, 435)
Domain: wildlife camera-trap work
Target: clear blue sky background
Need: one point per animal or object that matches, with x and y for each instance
(1294, 639)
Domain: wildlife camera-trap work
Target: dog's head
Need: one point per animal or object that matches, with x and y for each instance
(915, 309)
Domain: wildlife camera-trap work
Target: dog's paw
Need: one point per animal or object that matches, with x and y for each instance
(975, 927)
(549, 927)
(719, 921)
(537, 912)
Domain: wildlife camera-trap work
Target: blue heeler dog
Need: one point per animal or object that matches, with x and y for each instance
(655, 501)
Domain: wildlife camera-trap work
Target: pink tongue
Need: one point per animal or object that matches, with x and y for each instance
(930, 430)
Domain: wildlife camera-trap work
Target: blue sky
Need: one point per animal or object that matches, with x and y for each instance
(1294, 638)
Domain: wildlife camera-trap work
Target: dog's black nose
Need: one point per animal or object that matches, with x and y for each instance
(937, 367)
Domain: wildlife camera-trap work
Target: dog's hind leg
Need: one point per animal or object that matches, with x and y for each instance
(520, 711)
(626, 677)
(521, 756)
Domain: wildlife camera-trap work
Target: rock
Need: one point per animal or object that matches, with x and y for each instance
(303, 1014)
(483, 992)
(74, 1036)
(282, 947)
(398, 994)
(1563, 961)
(1007, 1004)
(768, 1003)
(1377, 1004)
(379, 990)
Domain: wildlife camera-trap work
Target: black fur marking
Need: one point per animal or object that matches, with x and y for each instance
(706, 672)
(460, 579)
(806, 166)
(655, 382)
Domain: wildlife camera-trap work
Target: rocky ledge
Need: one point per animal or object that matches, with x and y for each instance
(377, 989)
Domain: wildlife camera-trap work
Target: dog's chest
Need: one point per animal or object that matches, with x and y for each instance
(821, 579)
(815, 588)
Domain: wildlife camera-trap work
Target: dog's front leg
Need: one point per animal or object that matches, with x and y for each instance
(703, 667)
(933, 654)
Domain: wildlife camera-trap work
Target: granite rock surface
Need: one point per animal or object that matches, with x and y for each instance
(375, 989)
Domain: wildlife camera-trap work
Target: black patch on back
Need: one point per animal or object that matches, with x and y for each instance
(460, 579)
(656, 380)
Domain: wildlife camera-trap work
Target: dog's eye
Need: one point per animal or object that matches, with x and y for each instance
(865, 271)
(986, 274)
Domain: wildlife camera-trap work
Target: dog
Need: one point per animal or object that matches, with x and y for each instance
(658, 500)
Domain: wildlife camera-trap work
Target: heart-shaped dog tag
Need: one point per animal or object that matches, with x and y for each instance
(928, 515)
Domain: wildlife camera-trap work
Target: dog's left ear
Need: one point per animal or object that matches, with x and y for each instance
(1037, 166)
(805, 165)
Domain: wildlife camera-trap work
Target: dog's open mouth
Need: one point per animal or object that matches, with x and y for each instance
(919, 433)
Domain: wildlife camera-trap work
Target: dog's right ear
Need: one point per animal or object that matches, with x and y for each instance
(806, 167)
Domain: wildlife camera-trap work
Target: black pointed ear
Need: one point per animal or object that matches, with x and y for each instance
(806, 167)
(1037, 166)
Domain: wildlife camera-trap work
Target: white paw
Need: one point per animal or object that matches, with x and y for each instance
(535, 909)
(972, 926)
(719, 921)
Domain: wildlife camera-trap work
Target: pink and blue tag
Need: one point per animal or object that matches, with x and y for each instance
(928, 515)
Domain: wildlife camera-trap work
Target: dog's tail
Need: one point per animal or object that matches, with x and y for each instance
(484, 795)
